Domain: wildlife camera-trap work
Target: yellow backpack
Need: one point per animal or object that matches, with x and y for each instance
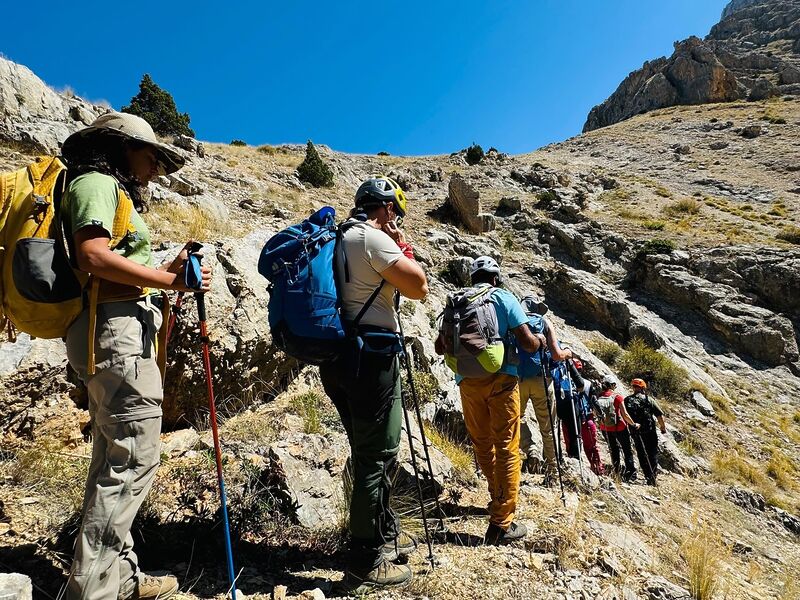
(40, 293)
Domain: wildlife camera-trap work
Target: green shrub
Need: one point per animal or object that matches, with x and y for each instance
(665, 377)
(307, 406)
(657, 246)
(383, 153)
(655, 225)
(606, 350)
(157, 106)
(547, 197)
(686, 206)
(238, 143)
(313, 170)
(790, 233)
(475, 154)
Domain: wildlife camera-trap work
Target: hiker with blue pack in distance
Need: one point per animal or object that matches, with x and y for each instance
(116, 344)
(331, 304)
(477, 334)
(532, 387)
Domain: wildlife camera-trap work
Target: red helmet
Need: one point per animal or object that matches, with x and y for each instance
(578, 364)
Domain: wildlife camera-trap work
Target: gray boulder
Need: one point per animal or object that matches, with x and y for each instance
(465, 202)
(702, 404)
(14, 586)
(659, 588)
(34, 115)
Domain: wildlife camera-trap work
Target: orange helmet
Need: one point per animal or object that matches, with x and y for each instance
(640, 383)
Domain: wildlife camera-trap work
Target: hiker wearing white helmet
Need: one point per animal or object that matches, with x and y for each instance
(476, 338)
(113, 344)
(614, 422)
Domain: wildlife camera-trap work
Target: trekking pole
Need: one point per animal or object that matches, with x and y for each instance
(577, 431)
(419, 485)
(552, 427)
(201, 313)
(415, 398)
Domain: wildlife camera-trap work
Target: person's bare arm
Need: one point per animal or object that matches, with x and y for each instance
(527, 340)
(662, 425)
(408, 277)
(93, 255)
(552, 344)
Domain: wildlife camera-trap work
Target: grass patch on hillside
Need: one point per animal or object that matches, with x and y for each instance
(655, 225)
(308, 406)
(257, 428)
(730, 467)
(663, 192)
(666, 378)
(606, 350)
(790, 233)
(50, 472)
(685, 206)
(705, 555)
(192, 222)
(459, 453)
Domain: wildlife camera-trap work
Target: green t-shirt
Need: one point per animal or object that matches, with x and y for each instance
(91, 199)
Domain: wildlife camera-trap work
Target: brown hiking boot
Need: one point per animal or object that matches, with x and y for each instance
(150, 587)
(402, 545)
(386, 574)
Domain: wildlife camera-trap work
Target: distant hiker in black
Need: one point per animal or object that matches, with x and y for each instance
(644, 411)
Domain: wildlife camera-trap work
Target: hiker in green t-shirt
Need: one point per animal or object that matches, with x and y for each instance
(108, 164)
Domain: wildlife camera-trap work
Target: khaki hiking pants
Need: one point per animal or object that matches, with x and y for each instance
(125, 395)
(491, 414)
(533, 389)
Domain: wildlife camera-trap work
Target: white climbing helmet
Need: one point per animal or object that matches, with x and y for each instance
(486, 264)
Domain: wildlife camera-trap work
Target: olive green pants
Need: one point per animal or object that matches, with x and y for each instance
(371, 410)
(125, 395)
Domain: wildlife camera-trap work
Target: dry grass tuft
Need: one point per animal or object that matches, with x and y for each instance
(308, 406)
(705, 555)
(790, 233)
(182, 222)
(685, 206)
(460, 454)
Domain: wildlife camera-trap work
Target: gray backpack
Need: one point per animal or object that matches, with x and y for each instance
(608, 412)
(469, 335)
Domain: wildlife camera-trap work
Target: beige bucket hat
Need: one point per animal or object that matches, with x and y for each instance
(132, 127)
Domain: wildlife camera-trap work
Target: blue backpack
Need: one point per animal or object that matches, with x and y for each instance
(530, 365)
(304, 300)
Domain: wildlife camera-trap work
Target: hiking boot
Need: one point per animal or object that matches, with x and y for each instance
(386, 574)
(496, 536)
(150, 587)
(402, 545)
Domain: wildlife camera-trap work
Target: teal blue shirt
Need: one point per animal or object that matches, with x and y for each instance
(510, 315)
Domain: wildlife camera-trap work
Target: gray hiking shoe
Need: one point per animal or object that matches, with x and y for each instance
(386, 574)
(150, 587)
(403, 545)
(495, 535)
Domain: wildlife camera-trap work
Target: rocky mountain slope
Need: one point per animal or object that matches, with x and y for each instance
(671, 227)
(752, 53)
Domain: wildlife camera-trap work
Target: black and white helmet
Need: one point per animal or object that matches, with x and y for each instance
(484, 264)
(609, 382)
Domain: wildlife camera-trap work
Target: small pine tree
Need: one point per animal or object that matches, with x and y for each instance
(474, 154)
(157, 106)
(313, 170)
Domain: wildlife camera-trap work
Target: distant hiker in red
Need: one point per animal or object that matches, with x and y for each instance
(584, 392)
(614, 421)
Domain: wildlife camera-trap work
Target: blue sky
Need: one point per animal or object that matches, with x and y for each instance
(407, 77)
